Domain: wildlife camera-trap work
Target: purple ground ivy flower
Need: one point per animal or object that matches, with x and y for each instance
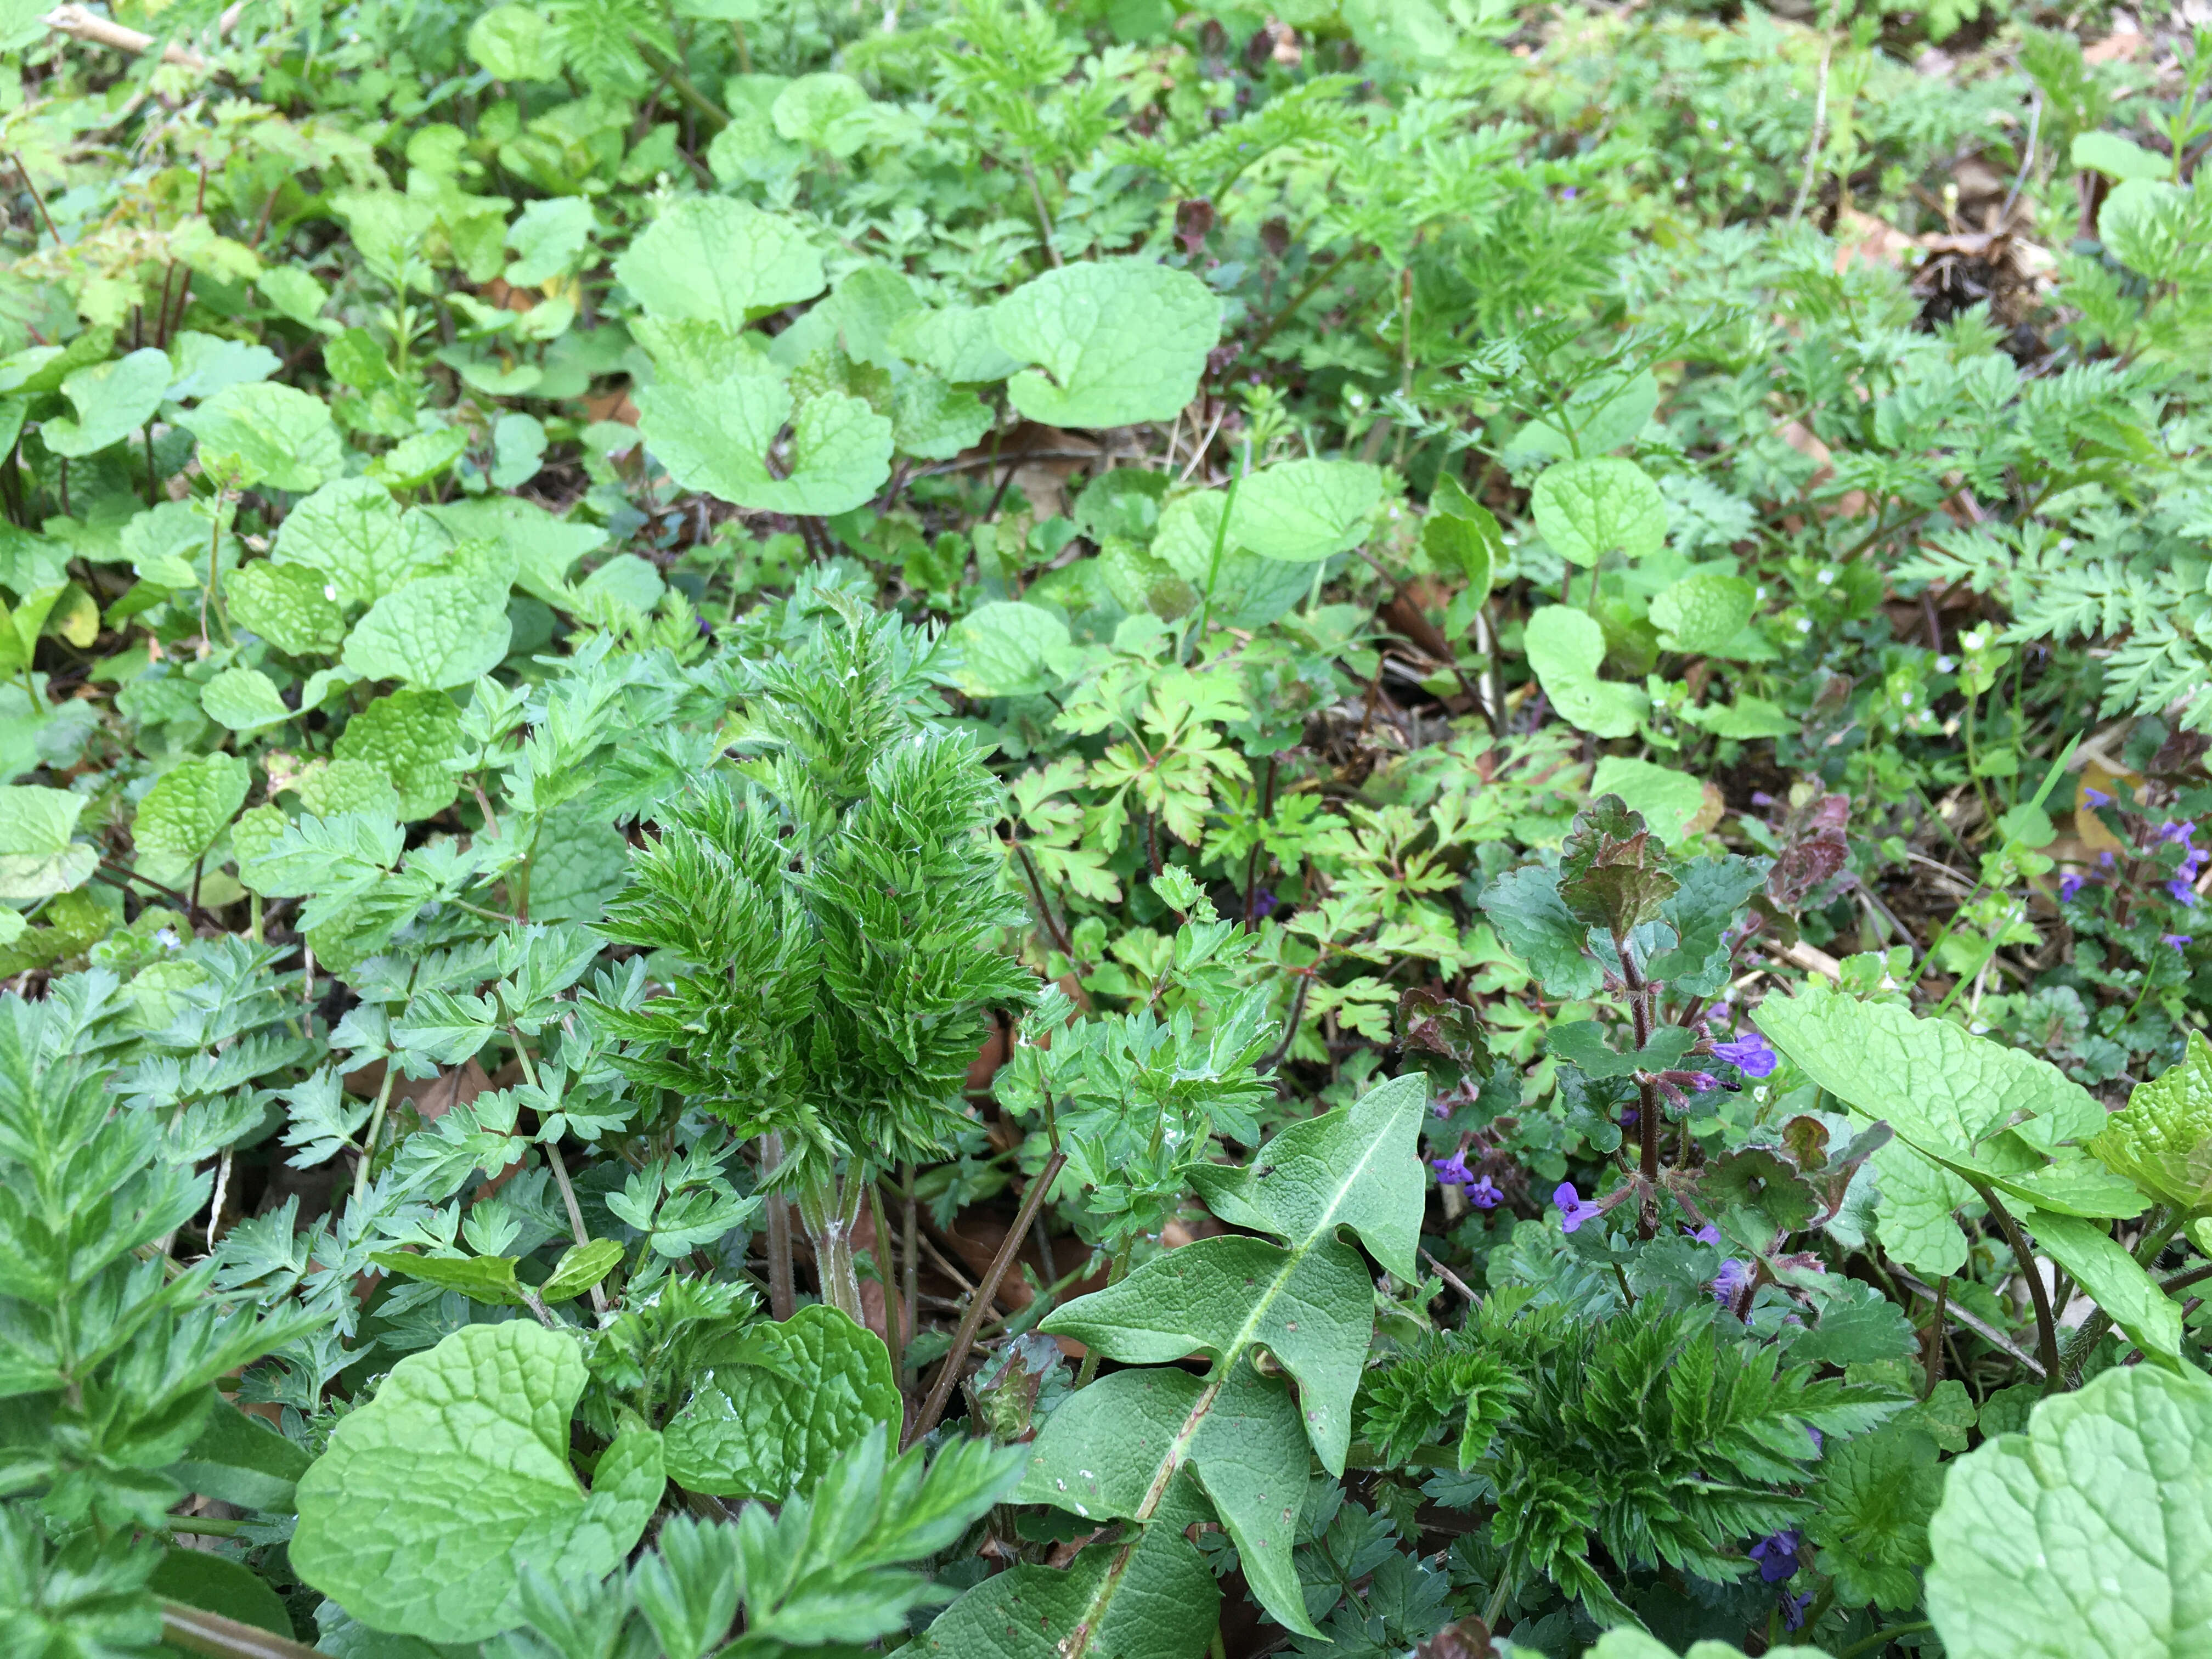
(2096, 798)
(1264, 903)
(2178, 941)
(1776, 1555)
(2070, 886)
(1482, 1193)
(1732, 1278)
(1749, 1054)
(1708, 1234)
(1572, 1210)
(1452, 1171)
(1794, 1608)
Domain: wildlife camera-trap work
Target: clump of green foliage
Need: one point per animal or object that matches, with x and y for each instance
(1072, 829)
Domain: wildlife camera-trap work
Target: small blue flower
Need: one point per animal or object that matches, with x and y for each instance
(2070, 886)
(1482, 1193)
(1572, 1210)
(1776, 1555)
(1452, 1171)
(1749, 1054)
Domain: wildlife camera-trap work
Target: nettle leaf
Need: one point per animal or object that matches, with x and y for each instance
(1115, 342)
(293, 607)
(243, 700)
(436, 632)
(353, 534)
(715, 259)
(434, 1496)
(1010, 649)
(2088, 1535)
(2163, 1142)
(1587, 509)
(38, 859)
(1566, 648)
(408, 737)
(1704, 612)
(1947, 1092)
(261, 433)
(113, 401)
(716, 437)
(1116, 1448)
(190, 805)
(754, 1430)
(1304, 511)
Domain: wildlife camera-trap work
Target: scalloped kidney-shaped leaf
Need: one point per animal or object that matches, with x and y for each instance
(716, 438)
(752, 1431)
(1587, 509)
(2087, 1537)
(1009, 650)
(436, 632)
(2163, 1141)
(1703, 612)
(433, 1497)
(1305, 510)
(190, 805)
(715, 259)
(264, 433)
(1114, 341)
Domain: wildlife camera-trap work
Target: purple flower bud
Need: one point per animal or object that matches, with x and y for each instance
(2096, 798)
(1703, 1082)
(1265, 903)
(1568, 194)
(1776, 1555)
(1819, 1443)
(1749, 1054)
(1572, 1210)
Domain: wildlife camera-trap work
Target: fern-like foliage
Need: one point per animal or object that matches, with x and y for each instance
(1647, 1441)
(836, 908)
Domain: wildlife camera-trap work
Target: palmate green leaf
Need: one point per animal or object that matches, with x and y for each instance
(1566, 648)
(1668, 800)
(433, 1497)
(715, 259)
(750, 1431)
(1115, 1449)
(2163, 1141)
(1587, 509)
(1114, 341)
(2087, 1537)
(1303, 511)
(113, 401)
(716, 437)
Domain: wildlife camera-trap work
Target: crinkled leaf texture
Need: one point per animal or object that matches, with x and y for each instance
(1117, 1449)
(435, 632)
(755, 1430)
(2087, 1537)
(716, 438)
(712, 259)
(1587, 509)
(2163, 1141)
(1116, 340)
(1964, 1106)
(433, 1497)
(1302, 511)
(1010, 649)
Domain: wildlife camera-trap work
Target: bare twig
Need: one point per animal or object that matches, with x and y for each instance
(941, 1390)
(1819, 134)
